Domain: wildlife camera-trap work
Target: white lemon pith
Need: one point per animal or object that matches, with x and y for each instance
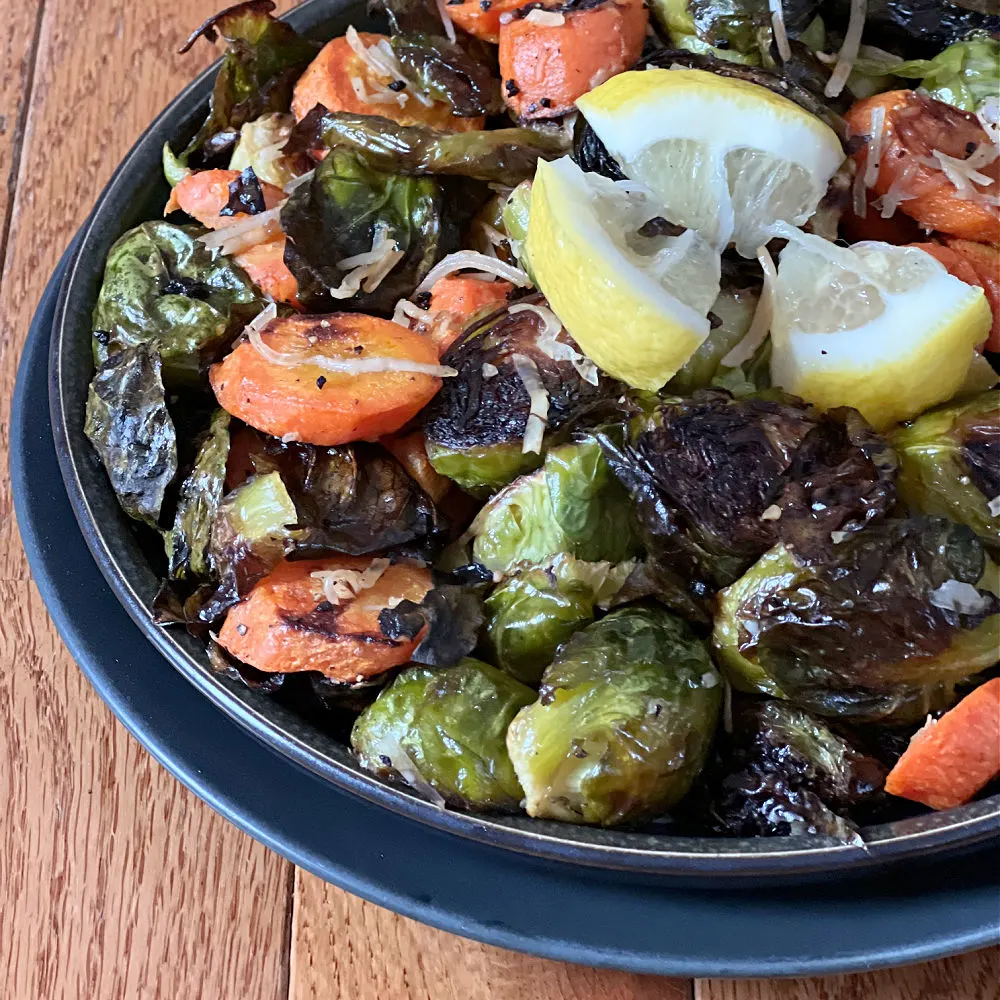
(636, 305)
(884, 329)
(726, 157)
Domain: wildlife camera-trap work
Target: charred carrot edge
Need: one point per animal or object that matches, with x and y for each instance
(411, 453)
(204, 193)
(482, 20)
(949, 761)
(984, 259)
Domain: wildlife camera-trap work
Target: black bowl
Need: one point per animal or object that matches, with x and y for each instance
(137, 192)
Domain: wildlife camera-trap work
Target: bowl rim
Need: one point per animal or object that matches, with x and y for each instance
(274, 725)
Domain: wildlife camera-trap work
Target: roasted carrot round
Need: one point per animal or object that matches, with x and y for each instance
(984, 259)
(298, 399)
(898, 229)
(287, 623)
(265, 264)
(204, 193)
(548, 59)
(949, 761)
(916, 129)
(330, 80)
(463, 298)
(411, 452)
(482, 20)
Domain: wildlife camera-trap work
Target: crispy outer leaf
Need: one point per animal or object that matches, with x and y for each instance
(201, 493)
(162, 287)
(129, 426)
(337, 215)
(264, 58)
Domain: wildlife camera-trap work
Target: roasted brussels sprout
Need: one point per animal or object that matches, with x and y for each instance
(162, 287)
(623, 724)
(264, 57)
(785, 772)
(883, 624)
(532, 612)
(348, 209)
(200, 496)
(717, 481)
(442, 731)
(950, 464)
(261, 146)
(572, 505)
(476, 425)
(130, 428)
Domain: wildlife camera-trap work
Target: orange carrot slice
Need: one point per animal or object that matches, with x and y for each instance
(482, 19)
(204, 193)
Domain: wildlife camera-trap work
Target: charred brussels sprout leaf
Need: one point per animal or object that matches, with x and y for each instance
(200, 496)
(443, 731)
(591, 155)
(162, 287)
(506, 155)
(130, 428)
(950, 464)
(787, 773)
(878, 626)
(475, 425)
(340, 213)
(717, 481)
(623, 724)
(537, 609)
(264, 58)
(572, 505)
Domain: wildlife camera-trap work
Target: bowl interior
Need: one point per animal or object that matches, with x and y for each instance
(137, 192)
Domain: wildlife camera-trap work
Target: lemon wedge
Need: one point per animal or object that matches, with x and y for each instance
(635, 300)
(882, 328)
(724, 156)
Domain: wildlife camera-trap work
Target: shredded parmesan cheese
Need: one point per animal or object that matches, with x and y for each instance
(339, 585)
(489, 370)
(760, 325)
(849, 50)
(962, 173)
(473, 259)
(549, 344)
(246, 233)
(449, 25)
(297, 182)
(994, 507)
(876, 136)
(772, 513)
(780, 34)
(897, 192)
(953, 595)
(367, 270)
(838, 536)
(406, 310)
(538, 415)
(383, 62)
(545, 18)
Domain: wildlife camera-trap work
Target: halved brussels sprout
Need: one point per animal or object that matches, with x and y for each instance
(623, 724)
(950, 464)
(884, 624)
(475, 426)
(442, 731)
(786, 772)
(537, 609)
(572, 505)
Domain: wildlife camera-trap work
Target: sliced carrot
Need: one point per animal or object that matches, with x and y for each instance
(286, 624)
(546, 66)
(949, 761)
(306, 402)
(331, 77)
(984, 259)
(204, 193)
(898, 229)
(482, 19)
(411, 453)
(915, 128)
(463, 298)
(265, 264)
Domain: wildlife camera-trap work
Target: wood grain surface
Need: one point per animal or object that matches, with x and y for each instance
(115, 882)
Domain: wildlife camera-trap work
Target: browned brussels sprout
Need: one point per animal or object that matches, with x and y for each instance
(786, 772)
(475, 426)
(162, 287)
(130, 428)
(443, 732)
(950, 464)
(883, 624)
(623, 724)
(264, 57)
(717, 481)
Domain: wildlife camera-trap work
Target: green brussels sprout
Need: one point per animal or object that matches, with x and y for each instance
(475, 426)
(785, 772)
(883, 624)
(950, 464)
(174, 167)
(442, 731)
(537, 609)
(162, 287)
(573, 505)
(623, 724)
(516, 212)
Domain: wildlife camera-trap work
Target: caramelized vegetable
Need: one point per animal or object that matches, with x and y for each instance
(482, 19)
(546, 64)
(288, 624)
(299, 399)
(410, 451)
(464, 299)
(951, 759)
(917, 129)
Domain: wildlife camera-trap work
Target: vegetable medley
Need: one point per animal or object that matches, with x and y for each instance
(586, 407)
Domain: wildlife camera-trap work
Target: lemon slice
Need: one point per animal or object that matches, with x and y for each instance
(882, 328)
(726, 157)
(636, 304)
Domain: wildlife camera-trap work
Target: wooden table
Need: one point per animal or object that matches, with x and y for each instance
(115, 882)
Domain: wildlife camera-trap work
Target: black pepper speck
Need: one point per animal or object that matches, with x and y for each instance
(320, 382)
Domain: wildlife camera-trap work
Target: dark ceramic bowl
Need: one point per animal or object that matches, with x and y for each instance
(137, 192)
